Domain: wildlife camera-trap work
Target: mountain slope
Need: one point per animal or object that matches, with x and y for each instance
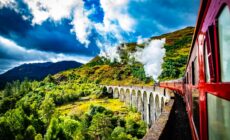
(129, 72)
(36, 71)
(178, 44)
(177, 47)
(112, 73)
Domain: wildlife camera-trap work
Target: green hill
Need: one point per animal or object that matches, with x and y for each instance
(130, 72)
(177, 47)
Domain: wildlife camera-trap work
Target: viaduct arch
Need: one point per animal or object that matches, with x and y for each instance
(148, 101)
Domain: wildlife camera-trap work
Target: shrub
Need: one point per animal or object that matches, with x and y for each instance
(30, 132)
(38, 137)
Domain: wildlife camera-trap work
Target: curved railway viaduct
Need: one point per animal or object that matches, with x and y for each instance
(149, 101)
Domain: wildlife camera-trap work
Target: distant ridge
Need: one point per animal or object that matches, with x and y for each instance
(36, 71)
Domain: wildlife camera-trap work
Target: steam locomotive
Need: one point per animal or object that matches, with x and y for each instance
(206, 83)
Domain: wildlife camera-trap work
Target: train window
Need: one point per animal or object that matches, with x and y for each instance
(218, 118)
(224, 43)
(187, 79)
(207, 72)
(195, 72)
(195, 108)
(210, 52)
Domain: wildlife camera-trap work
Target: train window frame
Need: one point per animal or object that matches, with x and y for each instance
(211, 52)
(206, 62)
(190, 75)
(217, 24)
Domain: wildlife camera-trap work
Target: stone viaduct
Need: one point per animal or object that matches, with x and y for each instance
(149, 101)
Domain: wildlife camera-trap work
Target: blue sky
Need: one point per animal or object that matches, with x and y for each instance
(55, 30)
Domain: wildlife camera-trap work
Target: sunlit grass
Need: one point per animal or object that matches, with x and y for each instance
(80, 107)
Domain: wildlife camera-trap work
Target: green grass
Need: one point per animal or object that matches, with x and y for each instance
(80, 107)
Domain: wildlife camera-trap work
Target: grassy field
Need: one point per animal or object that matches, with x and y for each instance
(80, 107)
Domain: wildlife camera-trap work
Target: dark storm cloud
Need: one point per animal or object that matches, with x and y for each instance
(57, 38)
(12, 23)
(21, 42)
(12, 55)
(50, 36)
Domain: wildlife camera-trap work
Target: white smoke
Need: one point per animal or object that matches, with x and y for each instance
(141, 40)
(111, 53)
(151, 57)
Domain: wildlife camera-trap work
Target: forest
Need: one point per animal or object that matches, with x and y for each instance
(29, 111)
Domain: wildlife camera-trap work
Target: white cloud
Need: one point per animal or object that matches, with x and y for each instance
(151, 57)
(7, 3)
(16, 55)
(116, 21)
(116, 17)
(56, 10)
(82, 25)
(53, 9)
(117, 11)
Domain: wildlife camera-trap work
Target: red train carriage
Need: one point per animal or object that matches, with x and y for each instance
(206, 84)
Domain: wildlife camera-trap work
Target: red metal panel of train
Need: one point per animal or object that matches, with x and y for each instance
(206, 83)
(176, 85)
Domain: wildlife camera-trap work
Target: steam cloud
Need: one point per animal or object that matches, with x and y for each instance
(151, 57)
(110, 53)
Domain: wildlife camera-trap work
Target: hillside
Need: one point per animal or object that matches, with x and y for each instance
(102, 71)
(71, 105)
(36, 71)
(177, 47)
(130, 72)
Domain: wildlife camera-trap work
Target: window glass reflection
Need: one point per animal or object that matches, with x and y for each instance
(218, 118)
(224, 43)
